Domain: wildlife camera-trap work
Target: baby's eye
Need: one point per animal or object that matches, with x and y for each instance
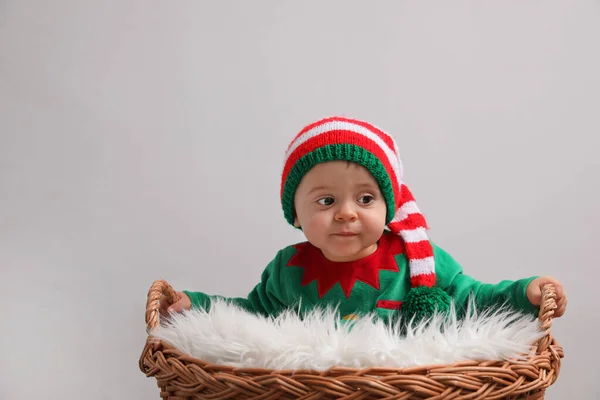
(326, 201)
(366, 199)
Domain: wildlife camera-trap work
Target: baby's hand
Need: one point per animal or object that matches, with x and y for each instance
(534, 294)
(184, 303)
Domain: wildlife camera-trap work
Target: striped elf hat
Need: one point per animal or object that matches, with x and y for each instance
(338, 138)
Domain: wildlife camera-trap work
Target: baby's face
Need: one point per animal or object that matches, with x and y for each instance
(341, 210)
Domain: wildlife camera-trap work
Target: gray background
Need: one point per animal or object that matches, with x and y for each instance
(144, 140)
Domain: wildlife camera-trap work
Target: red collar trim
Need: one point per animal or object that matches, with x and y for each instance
(327, 273)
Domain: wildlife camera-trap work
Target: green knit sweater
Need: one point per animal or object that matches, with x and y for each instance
(300, 276)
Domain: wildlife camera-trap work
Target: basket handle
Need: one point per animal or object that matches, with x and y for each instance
(547, 308)
(159, 291)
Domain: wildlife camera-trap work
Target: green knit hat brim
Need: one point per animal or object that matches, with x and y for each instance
(337, 152)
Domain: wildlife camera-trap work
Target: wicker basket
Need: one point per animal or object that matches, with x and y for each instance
(182, 377)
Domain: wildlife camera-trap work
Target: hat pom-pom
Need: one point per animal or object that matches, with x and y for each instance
(423, 302)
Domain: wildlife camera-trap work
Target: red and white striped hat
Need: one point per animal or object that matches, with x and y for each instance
(338, 138)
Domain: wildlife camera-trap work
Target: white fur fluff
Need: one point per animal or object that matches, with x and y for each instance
(231, 336)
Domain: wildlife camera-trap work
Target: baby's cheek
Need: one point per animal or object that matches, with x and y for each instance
(316, 228)
(319, 225)
(375, 220)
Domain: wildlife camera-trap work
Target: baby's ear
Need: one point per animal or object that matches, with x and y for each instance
(296, 222)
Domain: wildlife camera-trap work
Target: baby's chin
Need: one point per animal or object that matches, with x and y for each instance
(346, 253)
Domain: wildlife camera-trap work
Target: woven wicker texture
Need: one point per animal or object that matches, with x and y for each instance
(182, 377)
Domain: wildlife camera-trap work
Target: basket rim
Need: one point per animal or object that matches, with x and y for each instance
(161, 290)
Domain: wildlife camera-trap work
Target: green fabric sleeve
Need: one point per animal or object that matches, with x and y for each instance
(461, 287)
(266, 298)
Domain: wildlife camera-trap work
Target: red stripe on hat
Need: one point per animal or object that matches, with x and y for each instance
(387, 139)
(339, 137)
(423, 280)
(405, 195)
(422, 249)
(308, 128)
(412, 221)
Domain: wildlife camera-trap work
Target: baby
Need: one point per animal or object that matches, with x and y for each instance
(367, 249)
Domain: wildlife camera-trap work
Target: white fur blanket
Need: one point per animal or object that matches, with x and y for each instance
(228, 335)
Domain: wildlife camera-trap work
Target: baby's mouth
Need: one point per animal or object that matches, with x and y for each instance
(345, 234)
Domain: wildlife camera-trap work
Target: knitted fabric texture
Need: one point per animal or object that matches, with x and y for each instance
(345, 139)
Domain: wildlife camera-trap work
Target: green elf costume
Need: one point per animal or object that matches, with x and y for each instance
(408, 275)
